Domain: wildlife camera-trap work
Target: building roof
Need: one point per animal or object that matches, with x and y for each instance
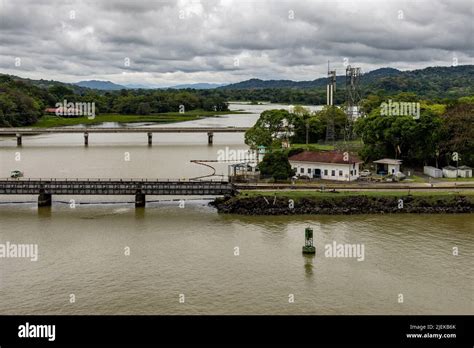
(449, 168)
(65, 111)
(324, 157)
(388, 161)
(464, 168)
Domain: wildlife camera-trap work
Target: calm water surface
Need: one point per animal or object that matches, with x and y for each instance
(190, 250)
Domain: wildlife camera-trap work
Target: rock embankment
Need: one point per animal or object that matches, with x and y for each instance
(360, 204)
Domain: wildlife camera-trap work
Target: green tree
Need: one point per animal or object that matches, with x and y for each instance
(457, 133)
(256, 136)
(415, 141)
(340, 121)
(276, 165)
(271, 125)
(60, 92)
(143, 108)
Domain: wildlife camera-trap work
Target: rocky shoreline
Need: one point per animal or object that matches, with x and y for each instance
(357, 204)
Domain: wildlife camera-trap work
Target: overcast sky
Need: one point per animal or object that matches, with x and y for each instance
(187, 41)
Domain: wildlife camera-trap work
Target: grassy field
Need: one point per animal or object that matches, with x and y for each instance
(313, 147)
(352, 146)
(169, 117)
(454, 179)
(416, 178)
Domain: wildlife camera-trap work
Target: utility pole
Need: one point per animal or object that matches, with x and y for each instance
(307, 131)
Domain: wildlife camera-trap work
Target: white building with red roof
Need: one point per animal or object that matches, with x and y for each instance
(327, 165)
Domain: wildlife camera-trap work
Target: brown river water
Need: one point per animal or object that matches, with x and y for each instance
(97, 258)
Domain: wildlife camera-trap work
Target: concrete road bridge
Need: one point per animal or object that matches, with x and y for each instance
(20, 132)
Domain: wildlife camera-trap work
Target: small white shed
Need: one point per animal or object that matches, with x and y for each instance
(433, 172)
(388, 166)
(450, 172)
(465, 172)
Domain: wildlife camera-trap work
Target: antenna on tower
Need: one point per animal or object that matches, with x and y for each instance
(330, 89)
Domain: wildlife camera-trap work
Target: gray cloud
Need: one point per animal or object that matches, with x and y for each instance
(170, 42)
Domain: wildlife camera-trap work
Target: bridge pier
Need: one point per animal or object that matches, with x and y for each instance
(44, 199)
(18, 139)
(210, 136)
(140, 199)
(150, 138)
(86, 139)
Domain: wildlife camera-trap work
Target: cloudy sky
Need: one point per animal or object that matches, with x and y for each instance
(162, 43)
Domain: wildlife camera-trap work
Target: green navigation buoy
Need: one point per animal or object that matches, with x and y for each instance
(308, 247)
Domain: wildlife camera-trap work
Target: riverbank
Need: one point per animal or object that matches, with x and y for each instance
(168, 117)
(329, 203)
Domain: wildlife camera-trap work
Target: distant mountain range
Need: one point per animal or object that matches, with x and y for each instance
(22, 100)
(430, 82)
(247, 84)
(388, 79)
(102, 85)
(320, 82)
(110, 86)
(139, 86)
(199, 86)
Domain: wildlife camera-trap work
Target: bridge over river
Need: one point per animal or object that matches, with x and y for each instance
(45, 188)
(19, 132)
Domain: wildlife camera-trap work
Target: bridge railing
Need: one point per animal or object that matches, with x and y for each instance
(142, 180)
(118, 187)
(155, 129)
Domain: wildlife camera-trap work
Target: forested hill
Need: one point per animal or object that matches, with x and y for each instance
(44, 84)
(101, 85)
(430, 82)
(436, 83)
(23, 101)
(320, 82)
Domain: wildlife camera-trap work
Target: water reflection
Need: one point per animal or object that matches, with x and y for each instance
(140, 213)
(44, 212)
(308, 264)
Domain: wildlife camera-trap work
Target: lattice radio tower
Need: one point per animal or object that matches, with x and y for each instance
(353, 98)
